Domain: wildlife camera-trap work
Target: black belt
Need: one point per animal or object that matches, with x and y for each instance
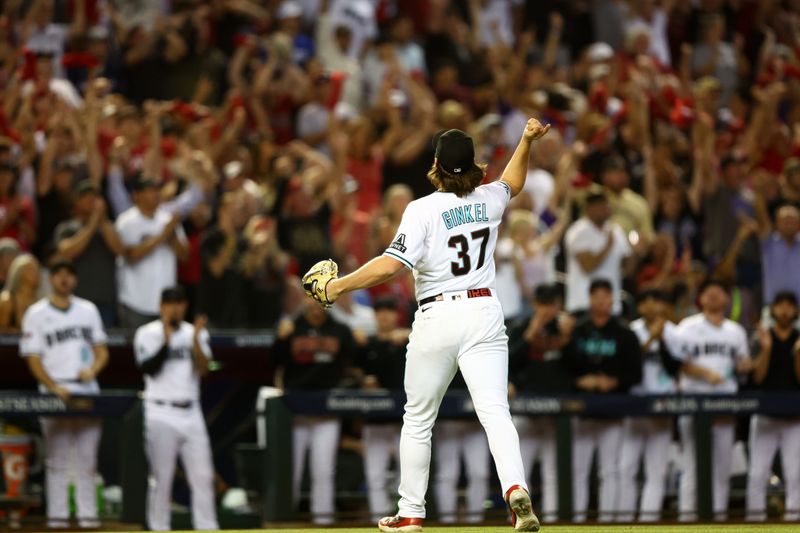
(178, 405)
(471, 293)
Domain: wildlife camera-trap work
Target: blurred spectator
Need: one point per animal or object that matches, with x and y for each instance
(604, 357)
(313, 117)
(221, 294)
(595, 248)
(90, 242)
(333, 46)
(264, 267)
(536, 367)
(629, 210)
(381, 365)
(358, 317)
(713, 350)
(190, 271)
(17, 219)
(648, 16)
(53, 203)
(154, 243)
(306, 207)
(9, 250)
(715, 57)
(20, 291)
(533, 255)
(780, 246)
(312, 353)
(358, 16)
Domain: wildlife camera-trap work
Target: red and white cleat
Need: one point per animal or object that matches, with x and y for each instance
(398, 523)
(522, 515)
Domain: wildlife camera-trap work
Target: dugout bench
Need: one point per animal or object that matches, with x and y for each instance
(278, 411)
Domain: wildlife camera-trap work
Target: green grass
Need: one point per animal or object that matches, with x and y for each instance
(680, 528)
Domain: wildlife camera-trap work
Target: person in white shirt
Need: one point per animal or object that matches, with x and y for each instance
(714, 350)
(154, 242)
(174, 355)
(358, 317)
(359, 17)
(64, 344)
(649, 437)
(596, 248)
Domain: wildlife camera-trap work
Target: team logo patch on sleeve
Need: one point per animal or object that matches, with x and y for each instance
(399, 243)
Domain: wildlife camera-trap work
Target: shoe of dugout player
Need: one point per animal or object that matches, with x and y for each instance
(399, 523)
(522, 515)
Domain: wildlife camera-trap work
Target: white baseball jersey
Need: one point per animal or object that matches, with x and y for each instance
(714, 347)
(64, 339)
(655, 378)
(584, 236)
(177, 380)
(449, 241)
(140, 284)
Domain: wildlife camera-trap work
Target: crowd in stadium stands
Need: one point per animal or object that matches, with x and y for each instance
(228, 145)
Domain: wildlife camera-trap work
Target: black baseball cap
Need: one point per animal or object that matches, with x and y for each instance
(454, 151)
(174, 294)
(61, 264)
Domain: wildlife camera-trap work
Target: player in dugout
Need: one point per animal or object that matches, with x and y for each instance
(604, 357)
(64, 344)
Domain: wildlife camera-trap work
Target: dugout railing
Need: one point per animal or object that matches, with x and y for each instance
(276, 463)
(278, 411)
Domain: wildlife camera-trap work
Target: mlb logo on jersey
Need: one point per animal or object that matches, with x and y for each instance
(399, 243)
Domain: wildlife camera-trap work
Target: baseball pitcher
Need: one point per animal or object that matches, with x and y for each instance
(448, 239)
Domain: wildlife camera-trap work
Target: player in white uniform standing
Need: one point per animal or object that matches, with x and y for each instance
(650, 437)
(776, 369)
(174, 355)
(448, 239)
(65, 346)
(714, 350)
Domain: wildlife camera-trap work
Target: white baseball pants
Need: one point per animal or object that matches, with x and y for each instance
(381, 443)
(319, 437)
(172, 432)
(722, 440)
(605, 436)
(537, 440)
(62, 438)
(454, 439)
(767, 436)
(651, 438)
(470, 335)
